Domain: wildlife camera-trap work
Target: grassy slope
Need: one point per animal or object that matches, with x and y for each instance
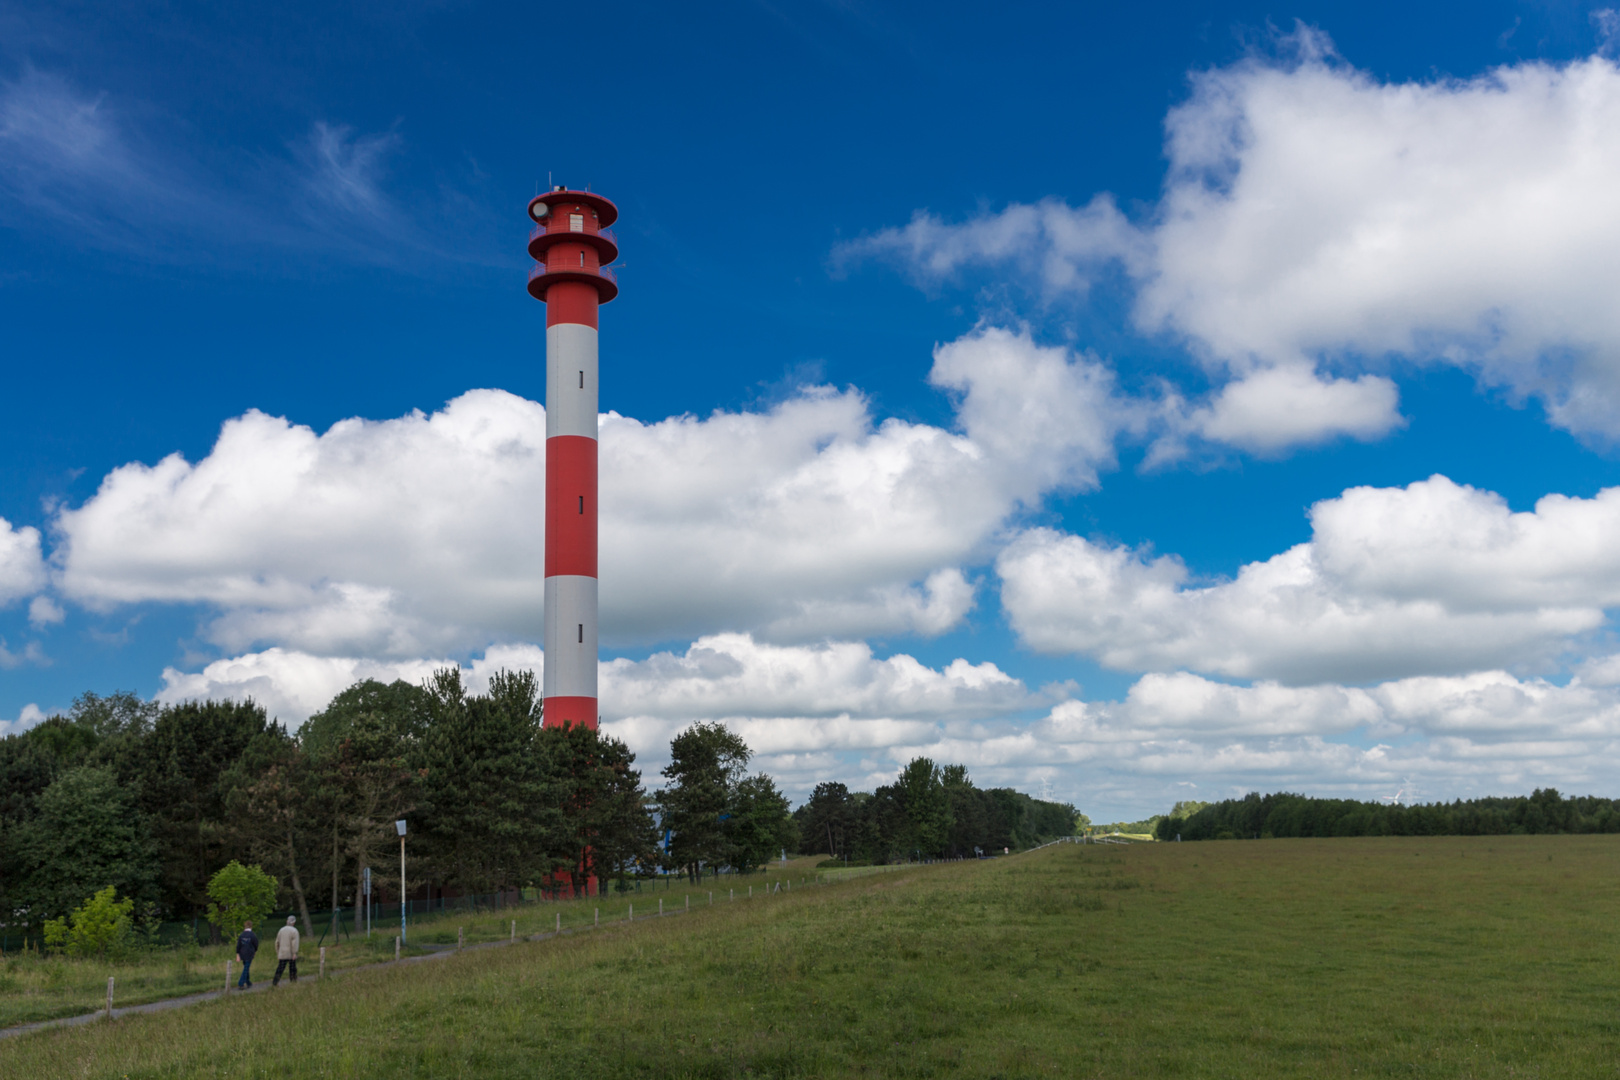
(32, 988)
(1444, 957)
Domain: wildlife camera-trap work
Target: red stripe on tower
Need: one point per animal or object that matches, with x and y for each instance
(571, 247)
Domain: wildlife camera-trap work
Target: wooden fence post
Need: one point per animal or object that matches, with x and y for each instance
(461, 937)
(598, 916)
(227, 976)
(559, 922)
(660, 907)
(109, 996)
(514, 929)
(322, 974)
(396, 948)
(632, 916)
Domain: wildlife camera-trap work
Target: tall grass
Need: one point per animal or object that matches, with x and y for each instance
(1416, 957)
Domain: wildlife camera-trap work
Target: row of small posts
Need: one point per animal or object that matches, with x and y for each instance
(461, 934)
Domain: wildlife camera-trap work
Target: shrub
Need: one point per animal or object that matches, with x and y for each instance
(240, 894)
(100, 926)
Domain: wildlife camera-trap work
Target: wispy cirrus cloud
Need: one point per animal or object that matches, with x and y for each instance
(111, 174)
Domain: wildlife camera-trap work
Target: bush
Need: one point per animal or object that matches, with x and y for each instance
(101, 926)
(240, 894)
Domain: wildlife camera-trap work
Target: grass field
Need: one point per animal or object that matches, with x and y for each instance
(34, 988)
(1454, 957)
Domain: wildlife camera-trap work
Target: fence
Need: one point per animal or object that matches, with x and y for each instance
(341, 922)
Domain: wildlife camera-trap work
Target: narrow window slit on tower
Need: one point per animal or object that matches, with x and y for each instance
(582, 633)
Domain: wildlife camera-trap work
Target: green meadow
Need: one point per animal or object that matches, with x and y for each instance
(1442, 956)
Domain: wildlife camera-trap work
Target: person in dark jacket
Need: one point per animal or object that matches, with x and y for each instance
(247, 943)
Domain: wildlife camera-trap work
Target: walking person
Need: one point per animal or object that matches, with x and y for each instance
(286, 951)
(247, 943)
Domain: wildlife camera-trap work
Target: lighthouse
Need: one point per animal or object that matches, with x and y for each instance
(571, 248)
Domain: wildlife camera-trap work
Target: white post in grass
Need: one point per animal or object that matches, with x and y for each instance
(396, 948)
(461, 937)
(322, 973)
(632, 916)
(598, 916)
(227, 976)
(689, 903)
(109, 996)
(559, 922)
(660, 907)
(514, 929)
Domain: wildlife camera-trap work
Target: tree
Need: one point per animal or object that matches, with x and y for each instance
(183, 764)
(484, 792)
(240, 895)
(758, 823)
(85, 836)
(270, 801)
(100, 926)
(600, 826)
(921, 792)
(828, 821)
(706, 762)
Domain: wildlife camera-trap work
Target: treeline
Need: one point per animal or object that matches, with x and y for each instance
(154, 801)
(929, 812)
(1283, 814)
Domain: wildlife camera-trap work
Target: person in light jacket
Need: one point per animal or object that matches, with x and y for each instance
(286, 952)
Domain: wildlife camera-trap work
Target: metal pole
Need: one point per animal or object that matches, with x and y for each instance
(401, 886)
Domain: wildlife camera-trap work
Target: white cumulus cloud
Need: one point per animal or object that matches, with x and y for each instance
(424, 534)
(1433, 578)
(1317, 219)
(22, 569)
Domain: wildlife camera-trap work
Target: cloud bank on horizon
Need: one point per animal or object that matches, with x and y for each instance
(1316, 225)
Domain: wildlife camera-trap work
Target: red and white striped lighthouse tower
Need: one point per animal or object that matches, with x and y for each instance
(572, 247)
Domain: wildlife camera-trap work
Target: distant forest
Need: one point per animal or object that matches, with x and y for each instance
(1280, 815)
(929, 812)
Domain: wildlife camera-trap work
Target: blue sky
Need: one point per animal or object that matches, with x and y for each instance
(974, 318)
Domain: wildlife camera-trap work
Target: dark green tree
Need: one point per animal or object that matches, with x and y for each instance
(599, 825)
(484, 786)
(921, 792)
(828, 821)
(758, 826)
(182, 766)
(85, 836)
(706, 763)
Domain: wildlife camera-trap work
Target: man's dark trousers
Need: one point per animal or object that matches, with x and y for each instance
(290, 967)
(247, 965)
